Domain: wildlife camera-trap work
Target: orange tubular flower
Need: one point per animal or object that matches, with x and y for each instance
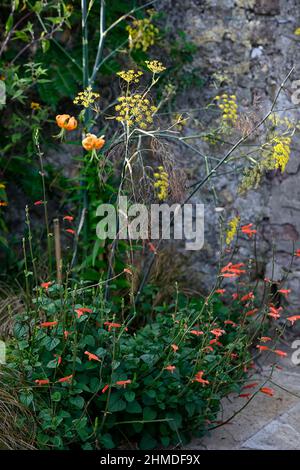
(38, 203)
(247, 297)
(274, 312)
(170, 368)
(65, 121)
(244, 395)
(104, 388)
(280, 353)
(265, 339)
(71, 231)
(220, 291)
(42, 382)
(229, 322)
(252, 385)
(293, 318)
(174, 347)
(217, 332)
(92, 357)
(196, 332)
(232, 270)
(113, 325)
(69, 218)
(267, 391)
(81, 311)
(46, 285)
(251, 312)
(262, 348)
(123, 383)
(248, 230)
(285, 292)
(48, 324)
(68, 378)
(297, 252)
(92, 142)
(198, 378)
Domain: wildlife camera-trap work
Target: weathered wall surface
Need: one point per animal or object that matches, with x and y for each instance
(252, 44)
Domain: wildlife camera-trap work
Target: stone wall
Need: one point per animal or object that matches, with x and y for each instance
(251, 45)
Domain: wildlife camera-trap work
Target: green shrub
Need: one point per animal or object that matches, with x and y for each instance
(125, 393)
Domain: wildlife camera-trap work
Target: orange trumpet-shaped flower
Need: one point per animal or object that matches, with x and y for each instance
(232, 270)
(46, 285)
(68, 378)
(248, 230)
(170, 368)
(69, 218)
(174, 347)
(48, 324)
(247, 297)
(297, 252)
(285, 292)
(229, 322)
(104, 388)
(220, 291)
(65, 121)
(274, 312)
(293, 318)
(267, 391)
(123, 383)
(113, 325)
(81, 311)
(196, 332)
(265, 339)
(92, 142)
(42, 382)
(252, 385)
(217, 332)
(92, 357)
(198, 378)
(280, 353)
(262, 347)
(251, 312)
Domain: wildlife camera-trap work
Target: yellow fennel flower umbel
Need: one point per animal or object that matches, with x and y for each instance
(232, 230)
(227, 104)
(135, 110)
(161, 183)
(281, 152)
(130, 76)
(86, 98)
(142, 34)
(155, 66)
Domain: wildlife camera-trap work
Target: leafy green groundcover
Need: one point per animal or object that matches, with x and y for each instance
(92, 381)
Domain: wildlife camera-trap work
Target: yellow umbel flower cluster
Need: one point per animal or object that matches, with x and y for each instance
(162, 183)
(232, 230)
(281, 152)
(228, 106)
(2, 185)
(130, 75)
(142, 34)
(155, 66)
(135, 109)
(86, 98)
(297, 32)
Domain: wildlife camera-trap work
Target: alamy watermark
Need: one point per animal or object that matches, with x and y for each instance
(159, 221)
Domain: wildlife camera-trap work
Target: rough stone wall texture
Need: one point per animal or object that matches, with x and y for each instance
(251, 42)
